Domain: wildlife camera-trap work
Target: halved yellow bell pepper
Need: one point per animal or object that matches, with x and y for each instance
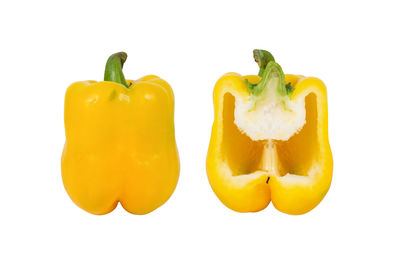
(269, 140)
(120, 142)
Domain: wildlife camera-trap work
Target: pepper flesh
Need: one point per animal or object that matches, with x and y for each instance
(294, 174)
(120, 145)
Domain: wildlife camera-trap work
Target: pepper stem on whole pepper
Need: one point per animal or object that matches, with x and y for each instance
(113, 71)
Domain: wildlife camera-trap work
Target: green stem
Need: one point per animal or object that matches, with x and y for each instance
(113, 72)
(272, 76)
(272, 79)
(262, 57)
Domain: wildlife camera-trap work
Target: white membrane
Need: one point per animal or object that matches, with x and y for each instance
(274, 117)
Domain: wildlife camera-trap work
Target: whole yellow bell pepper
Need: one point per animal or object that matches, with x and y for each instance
(269, 140)
(120, 142)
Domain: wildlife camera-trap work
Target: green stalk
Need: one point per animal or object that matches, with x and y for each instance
(113, 71)
(262, 57)
(272, 76)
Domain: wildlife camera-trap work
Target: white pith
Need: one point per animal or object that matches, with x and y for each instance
(270, 116)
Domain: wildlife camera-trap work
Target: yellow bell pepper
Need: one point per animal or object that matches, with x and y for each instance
(120, 142)
(269, 140)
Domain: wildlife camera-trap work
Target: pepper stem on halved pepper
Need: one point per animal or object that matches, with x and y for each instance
(269, 102)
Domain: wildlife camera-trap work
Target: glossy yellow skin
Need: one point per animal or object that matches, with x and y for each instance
(247, 175)
(120, 145)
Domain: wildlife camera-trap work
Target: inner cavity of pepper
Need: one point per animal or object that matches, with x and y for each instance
(275, 157)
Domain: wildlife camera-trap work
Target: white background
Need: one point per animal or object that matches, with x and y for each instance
(353, 46)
